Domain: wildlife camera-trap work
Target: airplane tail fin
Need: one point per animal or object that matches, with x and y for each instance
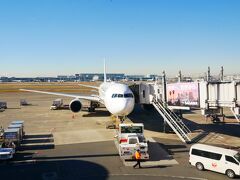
(105, 75)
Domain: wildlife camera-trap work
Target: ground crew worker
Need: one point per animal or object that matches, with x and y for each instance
(138, 158)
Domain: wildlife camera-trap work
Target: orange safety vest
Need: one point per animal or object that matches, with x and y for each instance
(137, 155)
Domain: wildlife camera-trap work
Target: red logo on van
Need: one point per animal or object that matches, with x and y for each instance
(214, 165)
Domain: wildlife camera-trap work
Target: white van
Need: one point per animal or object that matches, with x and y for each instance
(216, 159)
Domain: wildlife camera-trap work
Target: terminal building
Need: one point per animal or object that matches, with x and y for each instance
(99, 77)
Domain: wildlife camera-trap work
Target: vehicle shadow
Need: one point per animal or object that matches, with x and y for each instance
(36, 147)
(37, 142)
(35, 136)
(14, 108)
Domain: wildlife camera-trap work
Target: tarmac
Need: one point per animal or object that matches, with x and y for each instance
(63, 145)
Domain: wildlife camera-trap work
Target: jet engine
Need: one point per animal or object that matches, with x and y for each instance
(75, 105)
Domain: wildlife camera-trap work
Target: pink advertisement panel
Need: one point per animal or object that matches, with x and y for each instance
(183, 94)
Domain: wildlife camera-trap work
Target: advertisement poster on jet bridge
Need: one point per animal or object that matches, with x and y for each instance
(183, 94)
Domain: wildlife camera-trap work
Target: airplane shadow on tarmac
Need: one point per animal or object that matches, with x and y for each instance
(57, 169)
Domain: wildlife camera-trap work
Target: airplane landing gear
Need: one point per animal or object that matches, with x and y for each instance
(93, 105)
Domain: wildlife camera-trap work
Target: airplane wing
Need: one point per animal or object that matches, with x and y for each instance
(84, 85)
(90, 98)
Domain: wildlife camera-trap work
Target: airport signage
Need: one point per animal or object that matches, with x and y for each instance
(183, 94)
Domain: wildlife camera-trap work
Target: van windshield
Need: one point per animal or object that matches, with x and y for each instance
(237, 156)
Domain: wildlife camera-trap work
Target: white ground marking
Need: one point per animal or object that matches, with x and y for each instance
(159, 175)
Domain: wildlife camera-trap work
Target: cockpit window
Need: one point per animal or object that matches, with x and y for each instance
(120, 95)
(114, 95)
(129, 95)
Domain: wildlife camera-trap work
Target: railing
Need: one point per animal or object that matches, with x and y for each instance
(237, 116)
(173, 120)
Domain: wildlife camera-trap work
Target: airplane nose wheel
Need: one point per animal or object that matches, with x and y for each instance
(92, 107)
(122, 119)
(115, 121)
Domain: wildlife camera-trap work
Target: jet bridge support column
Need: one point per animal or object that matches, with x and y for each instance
(164, 85)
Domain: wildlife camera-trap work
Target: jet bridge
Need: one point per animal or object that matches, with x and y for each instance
(153, 94)
(216, 95)
(210, 97)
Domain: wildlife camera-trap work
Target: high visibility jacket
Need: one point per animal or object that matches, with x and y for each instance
(137, 155)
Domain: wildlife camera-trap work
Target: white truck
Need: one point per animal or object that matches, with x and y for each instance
(131, 138)
(57, 104)
(23, 102)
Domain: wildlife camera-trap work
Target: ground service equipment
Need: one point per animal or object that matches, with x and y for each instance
(57, 104)
(130, 139)
(12, 135)
(3, 104)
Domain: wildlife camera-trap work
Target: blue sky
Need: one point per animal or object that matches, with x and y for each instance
(51, 37)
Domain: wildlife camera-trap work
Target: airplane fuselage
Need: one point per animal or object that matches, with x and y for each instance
(118, 98)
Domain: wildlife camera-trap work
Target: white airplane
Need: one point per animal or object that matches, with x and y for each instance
(117, 98)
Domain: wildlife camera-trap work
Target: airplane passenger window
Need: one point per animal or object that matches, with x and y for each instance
(120, 95)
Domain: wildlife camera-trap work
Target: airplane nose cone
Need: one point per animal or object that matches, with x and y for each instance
(125, 107)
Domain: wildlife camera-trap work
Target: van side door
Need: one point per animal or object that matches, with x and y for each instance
(214, 161)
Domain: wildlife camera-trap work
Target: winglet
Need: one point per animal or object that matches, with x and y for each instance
(105, 75)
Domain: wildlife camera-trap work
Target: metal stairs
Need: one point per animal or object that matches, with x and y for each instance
(173, 120)
(237, 116)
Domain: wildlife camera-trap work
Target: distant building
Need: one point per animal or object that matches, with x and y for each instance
(141, 77)
(98, 76)
(4, 79)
